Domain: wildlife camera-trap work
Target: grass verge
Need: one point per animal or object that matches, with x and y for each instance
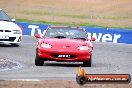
(72, 24)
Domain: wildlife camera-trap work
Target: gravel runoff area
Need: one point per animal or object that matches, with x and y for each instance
(57, 84)
(6, 64)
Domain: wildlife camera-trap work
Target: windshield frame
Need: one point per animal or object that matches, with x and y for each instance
(83, 37)
(4, 16)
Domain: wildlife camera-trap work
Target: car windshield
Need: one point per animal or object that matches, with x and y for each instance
(72, 33)
(4, 16)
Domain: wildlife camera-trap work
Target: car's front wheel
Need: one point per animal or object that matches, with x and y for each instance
(38, 61)
(88, 63)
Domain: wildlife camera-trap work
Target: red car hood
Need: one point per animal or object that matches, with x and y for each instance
(65, 43)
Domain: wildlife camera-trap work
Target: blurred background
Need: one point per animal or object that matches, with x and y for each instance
(104, 13)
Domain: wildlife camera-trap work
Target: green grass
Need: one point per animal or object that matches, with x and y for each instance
(72, 24)
(72, 15)
(80, 16)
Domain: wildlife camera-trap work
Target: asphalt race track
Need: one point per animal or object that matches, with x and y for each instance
(108, 58)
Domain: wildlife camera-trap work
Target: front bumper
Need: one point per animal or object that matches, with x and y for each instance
(13, 39)
(76, 56)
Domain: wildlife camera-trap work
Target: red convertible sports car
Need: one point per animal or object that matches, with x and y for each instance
(64, 44)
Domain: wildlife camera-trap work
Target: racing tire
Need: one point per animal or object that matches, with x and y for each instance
(88, 63)
(38, 61)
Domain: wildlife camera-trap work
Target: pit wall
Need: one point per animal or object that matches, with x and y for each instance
(114, 35)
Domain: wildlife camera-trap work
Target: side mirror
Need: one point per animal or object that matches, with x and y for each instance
(93, 39)
(37, 36)
(13, 20)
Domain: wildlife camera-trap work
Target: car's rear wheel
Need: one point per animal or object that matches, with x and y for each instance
(38, 61)
(88, 63)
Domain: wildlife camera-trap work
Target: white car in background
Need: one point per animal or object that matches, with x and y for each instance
(10, 33)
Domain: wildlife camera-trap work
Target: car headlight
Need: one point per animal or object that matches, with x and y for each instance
(16, 31)
(45, 45)
(83, 48)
